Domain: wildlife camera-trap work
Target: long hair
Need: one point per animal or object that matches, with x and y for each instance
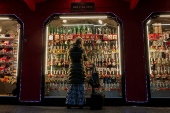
(79, 41)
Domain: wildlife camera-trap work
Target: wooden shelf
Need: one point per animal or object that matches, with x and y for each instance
(8, 38)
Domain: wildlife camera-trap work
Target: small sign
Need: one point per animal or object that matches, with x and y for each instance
(82, 6)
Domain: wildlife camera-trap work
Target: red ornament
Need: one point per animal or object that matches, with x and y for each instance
(106, 76)
(56, 76)
(97, 88)
(65, 88)
(118, 88)
(162, 47)
(50, 75)
(89, 88)
(91, 53)
(55, 88)
(161, 88)
(165, 75)
(5, 80)
(112, 88)
(117, 76)
(102, 76)
(88, 75)
(159, 75)
(50, 88)
(167, 88)
(62, 76)
(103, 88)
(152, 75)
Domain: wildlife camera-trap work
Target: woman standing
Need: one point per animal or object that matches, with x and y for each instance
(76, 92)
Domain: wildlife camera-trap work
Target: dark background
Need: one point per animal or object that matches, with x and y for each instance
(133, 40)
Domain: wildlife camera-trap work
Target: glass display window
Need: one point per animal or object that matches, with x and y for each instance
(102, 37)
(157, 35)
(10, 54)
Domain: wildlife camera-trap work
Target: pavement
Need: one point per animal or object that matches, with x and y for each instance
(106, 109)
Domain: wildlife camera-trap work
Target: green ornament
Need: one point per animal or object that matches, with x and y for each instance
(61, 30)
(78, 30)
(74, 30)
(55, 30)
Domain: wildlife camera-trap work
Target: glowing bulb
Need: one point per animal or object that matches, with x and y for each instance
(64, 21)
(100, 21)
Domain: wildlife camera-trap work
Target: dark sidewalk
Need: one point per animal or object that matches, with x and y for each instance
(110, 109)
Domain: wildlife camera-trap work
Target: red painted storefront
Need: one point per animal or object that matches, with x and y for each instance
(133, 40)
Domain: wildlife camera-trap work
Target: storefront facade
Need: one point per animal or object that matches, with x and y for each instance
(135, 88)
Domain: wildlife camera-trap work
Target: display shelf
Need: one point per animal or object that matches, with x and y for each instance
(6, 47)
(7, 38)
(7, 54)
(158, 50)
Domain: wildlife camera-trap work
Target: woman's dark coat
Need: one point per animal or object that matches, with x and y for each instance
(76, 72)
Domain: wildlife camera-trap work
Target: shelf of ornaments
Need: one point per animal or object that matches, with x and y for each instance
(9, 74)
(8, 38)
(116, 52)
(86, 39)
(7, 47)
(58, 53)
(158, 50)
(66, 66)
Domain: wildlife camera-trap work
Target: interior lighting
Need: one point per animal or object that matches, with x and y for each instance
(119, 51)
(18, 52)
(148, 21)
(4, 18)
(164, 16)
(100, 21)
(46, 50)
(64, 21)
(78, 24)
(84, 17)
(0, 28)
(101, 25)
(161, 24)
(148, 48)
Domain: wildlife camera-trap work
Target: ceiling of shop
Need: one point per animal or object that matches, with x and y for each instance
(8, 26)
(59, 22)
(32, 3)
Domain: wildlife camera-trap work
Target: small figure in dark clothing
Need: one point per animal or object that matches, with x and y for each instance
(76, 72)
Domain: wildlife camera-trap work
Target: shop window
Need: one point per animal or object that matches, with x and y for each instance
(10, 45)
(102, 36)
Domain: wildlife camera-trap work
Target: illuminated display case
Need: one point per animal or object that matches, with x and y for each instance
(157, 45)
(10, 54)
(103, 39)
